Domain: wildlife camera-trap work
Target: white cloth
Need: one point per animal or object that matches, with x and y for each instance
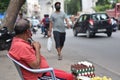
(49, 44)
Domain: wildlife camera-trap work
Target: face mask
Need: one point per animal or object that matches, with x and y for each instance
(57, 8)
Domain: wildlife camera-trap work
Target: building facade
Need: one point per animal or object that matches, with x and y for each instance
(38, 8)
(33, 8)
(47, 6)
(87, 6)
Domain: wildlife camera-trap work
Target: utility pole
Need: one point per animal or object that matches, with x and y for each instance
(52, 5)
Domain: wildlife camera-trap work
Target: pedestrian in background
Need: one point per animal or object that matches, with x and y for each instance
(57, 24)
(45, 24)
(20, 16)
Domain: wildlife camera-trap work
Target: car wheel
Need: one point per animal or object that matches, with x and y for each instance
(75, 32)
(93, 34)
(109, 34)
(88, 34)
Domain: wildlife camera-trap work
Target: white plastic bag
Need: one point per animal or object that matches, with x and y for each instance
(49, 44)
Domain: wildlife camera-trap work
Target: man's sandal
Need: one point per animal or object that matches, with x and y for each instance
(59, 57)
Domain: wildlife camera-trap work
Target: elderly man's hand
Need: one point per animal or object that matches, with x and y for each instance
(36, 45)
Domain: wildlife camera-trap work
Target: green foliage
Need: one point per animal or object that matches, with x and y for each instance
(101, 8)
(72, 6)
(99, 5)
(102, 2)
(107, 5)
(3, 5)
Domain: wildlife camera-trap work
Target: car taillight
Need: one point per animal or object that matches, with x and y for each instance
(91, 21)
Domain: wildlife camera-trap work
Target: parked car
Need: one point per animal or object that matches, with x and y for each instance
(92, 24)
(114, 24)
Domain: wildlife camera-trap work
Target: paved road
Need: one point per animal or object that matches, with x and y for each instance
(100, 49)
(76, 49)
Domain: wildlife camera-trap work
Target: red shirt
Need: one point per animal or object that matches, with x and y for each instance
(24, 53)
(43, 21)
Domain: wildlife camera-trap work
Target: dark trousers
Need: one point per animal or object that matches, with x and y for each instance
(59, 38)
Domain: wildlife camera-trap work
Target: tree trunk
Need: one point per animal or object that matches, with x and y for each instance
(11, 13)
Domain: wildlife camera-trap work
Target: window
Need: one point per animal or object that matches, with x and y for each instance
(99, 16)
(80, 19)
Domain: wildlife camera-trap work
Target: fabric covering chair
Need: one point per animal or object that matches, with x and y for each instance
(18, 65)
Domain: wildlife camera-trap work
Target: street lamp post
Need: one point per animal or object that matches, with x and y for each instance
(52, 5)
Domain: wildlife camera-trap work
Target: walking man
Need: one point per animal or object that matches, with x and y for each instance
(57, 24)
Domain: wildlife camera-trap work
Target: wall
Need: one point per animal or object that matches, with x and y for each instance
(87, 6)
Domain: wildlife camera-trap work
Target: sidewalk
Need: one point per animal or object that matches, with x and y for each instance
(9, 72)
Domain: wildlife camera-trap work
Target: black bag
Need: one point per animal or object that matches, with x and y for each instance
(49, 78)
(46, 77)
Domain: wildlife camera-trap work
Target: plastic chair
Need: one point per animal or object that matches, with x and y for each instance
(18, 65)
